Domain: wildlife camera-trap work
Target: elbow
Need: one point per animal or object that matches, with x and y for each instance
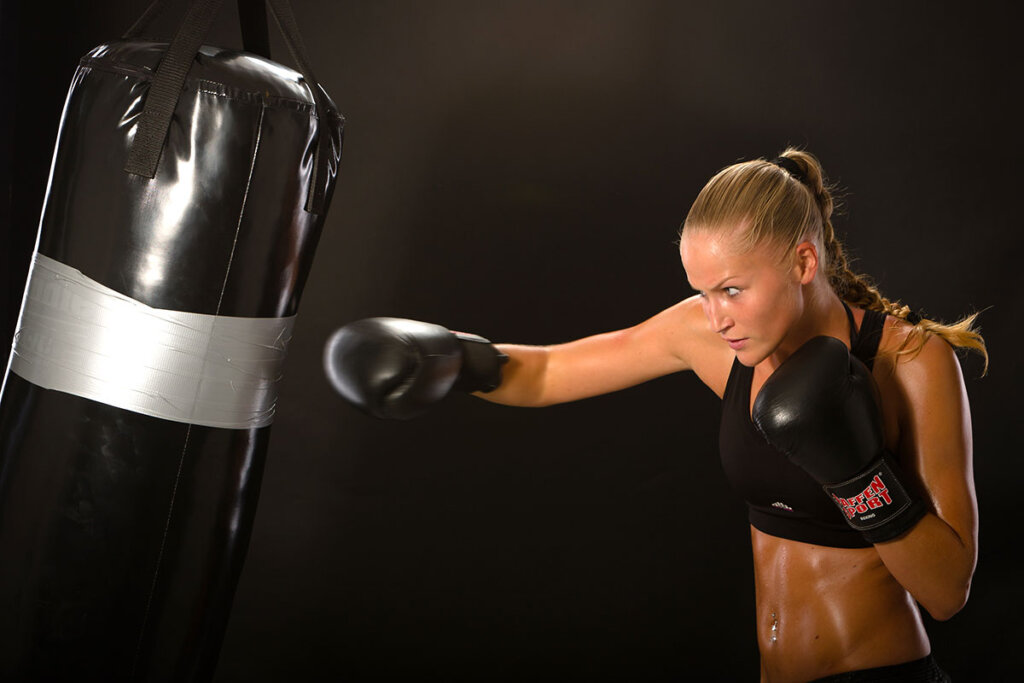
(949, 604)
(945, 612)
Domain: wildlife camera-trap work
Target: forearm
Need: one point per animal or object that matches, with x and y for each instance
(522, 382)
(934, 564)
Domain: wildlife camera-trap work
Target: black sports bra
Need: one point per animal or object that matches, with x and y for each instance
(782, 499)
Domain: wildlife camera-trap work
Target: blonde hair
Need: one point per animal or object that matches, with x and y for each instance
(781, 208)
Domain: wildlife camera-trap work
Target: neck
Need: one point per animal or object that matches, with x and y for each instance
(823, 314)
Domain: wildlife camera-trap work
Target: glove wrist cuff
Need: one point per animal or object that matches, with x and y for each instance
(876, 502)
(481, 364)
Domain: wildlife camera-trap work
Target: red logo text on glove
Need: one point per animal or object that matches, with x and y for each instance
(875, 496)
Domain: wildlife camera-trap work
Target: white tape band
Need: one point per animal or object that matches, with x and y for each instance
(81, 338)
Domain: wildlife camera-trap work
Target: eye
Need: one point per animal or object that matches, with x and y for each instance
(732, 291)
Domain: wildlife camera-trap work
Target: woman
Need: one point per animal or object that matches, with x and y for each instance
(837, 573)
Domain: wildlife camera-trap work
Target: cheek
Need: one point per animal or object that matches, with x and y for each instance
(785, 310)
(759, 310)
(770, 314)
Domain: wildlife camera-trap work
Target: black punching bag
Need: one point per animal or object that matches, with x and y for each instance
(186, 197)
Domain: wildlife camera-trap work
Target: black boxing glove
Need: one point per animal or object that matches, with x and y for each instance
(820, 408)
(396, 368)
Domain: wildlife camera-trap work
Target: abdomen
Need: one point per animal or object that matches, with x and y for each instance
(822, 611)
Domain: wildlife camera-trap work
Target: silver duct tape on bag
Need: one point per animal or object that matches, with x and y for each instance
(81, 338)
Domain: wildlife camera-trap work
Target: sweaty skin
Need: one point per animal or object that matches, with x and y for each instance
(835, 610)
(820, 610)
(832, 609)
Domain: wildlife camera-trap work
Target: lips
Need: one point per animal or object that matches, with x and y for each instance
(736, 344)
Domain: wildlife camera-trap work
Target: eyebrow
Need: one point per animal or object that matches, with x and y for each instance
(716, 286)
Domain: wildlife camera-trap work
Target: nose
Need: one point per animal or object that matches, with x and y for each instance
(719, 321)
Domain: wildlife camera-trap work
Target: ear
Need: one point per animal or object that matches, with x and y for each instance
(805, 265)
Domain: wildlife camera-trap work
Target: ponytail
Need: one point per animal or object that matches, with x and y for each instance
(857, 288)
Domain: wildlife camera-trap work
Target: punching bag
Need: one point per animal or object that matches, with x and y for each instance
(187, 193)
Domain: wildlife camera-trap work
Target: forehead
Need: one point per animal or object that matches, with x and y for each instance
(711, 257)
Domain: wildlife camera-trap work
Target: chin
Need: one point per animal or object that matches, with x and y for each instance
(746, 358)
(750, 357)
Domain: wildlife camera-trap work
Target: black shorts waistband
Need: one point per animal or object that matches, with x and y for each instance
(924, 670)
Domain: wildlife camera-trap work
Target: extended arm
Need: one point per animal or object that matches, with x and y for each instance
(396, 368)
(674, 340)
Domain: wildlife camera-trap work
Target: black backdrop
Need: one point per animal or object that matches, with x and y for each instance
(520, 169)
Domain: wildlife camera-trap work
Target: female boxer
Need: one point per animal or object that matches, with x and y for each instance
(860, 492)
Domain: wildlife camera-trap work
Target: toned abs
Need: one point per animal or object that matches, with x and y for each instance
(822, 611)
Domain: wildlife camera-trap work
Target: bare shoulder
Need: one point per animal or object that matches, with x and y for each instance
(917, 364)
(685, 329)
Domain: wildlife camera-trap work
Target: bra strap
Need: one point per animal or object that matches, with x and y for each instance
(854, 336)
(864, 344)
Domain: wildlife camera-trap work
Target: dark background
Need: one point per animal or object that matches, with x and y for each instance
(520, 169)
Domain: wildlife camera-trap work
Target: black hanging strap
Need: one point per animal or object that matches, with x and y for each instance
(252, 15)
(282, 12)
(165, 88)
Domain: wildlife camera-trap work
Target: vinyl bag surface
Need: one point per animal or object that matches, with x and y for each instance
(136, 409)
